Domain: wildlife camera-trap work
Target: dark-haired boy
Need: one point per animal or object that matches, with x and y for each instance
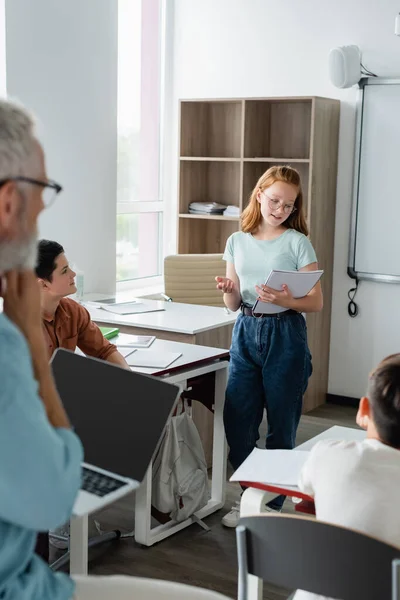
(357, 484)
(67, 324)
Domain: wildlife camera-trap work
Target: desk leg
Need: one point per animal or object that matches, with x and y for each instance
(252, 503)
(143, 509)
(143, 533)
(78, 546)
(218, 481)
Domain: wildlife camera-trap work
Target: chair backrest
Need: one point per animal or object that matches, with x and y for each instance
(190, 278)
(302, 553)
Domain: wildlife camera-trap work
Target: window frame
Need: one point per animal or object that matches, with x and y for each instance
(153, 282)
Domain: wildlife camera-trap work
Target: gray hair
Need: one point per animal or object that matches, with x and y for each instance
(18, 152)
(19, 155)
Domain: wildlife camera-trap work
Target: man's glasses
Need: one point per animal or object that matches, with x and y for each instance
(275, 204)
(51, 189)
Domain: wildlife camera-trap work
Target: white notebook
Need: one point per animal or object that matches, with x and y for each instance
(272, 467)
(152, 359)
(130, 308)
(137, 341)
(300, 283)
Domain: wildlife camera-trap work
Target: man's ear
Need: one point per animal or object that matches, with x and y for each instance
(9, 207)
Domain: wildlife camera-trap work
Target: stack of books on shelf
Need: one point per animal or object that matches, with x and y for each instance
(206, 208)
(232, 211)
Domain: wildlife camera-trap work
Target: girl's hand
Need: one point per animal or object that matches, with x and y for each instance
(283, 298)
(225, 285)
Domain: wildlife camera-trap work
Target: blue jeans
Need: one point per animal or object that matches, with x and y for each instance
(269, 368)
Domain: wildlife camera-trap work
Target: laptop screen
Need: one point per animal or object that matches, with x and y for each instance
(119, 415)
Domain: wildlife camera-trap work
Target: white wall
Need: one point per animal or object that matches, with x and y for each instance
(228, 48)
(2, 48)
(62, 64)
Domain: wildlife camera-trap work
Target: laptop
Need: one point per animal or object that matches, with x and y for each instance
(120, 417)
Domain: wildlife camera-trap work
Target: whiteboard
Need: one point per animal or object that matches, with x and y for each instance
(375, 227)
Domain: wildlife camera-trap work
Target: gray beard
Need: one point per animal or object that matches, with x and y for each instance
(17, 255)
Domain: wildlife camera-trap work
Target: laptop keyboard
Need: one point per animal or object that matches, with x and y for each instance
(99, 484)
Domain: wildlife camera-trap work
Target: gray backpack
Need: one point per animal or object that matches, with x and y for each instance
(180, 479)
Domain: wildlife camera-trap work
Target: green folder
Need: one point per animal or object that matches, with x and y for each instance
(109, 332)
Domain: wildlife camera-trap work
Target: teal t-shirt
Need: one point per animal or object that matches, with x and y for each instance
(254, 259)
(40, 475)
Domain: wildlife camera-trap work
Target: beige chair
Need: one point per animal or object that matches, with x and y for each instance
(302, 553)
(138, 588)
(190, 278)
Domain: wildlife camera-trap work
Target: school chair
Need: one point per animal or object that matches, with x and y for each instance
(190, 278)
(302, 553)
(154, 589)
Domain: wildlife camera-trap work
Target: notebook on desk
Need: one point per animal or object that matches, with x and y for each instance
(137, 341)
(131, 308)
(109, 332)
(152, 359)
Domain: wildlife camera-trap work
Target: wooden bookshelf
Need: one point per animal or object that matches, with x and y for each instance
(226, 145)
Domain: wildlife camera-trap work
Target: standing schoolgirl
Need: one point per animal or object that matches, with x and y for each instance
(270, 360)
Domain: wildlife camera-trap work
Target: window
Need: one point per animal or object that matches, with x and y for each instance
(139, 203)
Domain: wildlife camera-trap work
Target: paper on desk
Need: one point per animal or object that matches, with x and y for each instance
(136, 341)
(131, 308)
(125, 351)
(124, 308)
(272, 467)
(152, 359)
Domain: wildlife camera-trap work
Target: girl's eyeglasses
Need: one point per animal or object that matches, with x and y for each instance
(275, 204)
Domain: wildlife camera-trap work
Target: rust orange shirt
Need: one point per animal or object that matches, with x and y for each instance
(71, 326)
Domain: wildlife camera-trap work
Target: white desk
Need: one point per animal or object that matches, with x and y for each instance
(187, 323)
(253, 499)
(192, 354)
(190, 323)
(194, 362)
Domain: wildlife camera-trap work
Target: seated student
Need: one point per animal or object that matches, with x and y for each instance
(67, 323)
(357, 484)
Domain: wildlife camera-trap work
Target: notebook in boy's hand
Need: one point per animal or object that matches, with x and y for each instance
(271, 467)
